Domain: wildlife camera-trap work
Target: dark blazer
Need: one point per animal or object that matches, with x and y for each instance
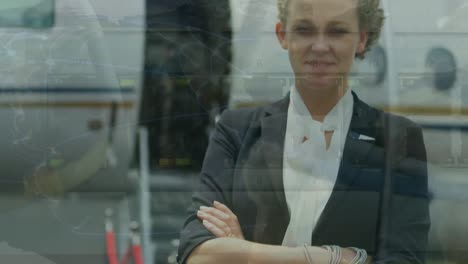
(379, 201)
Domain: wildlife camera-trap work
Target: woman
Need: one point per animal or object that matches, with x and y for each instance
(319, 167)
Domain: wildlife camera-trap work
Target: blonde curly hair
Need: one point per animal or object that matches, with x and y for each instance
(371, 19)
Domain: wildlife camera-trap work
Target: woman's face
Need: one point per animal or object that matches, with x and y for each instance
(322, 38)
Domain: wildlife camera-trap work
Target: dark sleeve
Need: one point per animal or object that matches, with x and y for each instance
(215, 179)
(407, 218)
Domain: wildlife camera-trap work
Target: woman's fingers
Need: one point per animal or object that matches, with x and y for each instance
(224, 209)
(218, 223)
(215, 212)
(223, 218)
(234, 222)
(213, 229)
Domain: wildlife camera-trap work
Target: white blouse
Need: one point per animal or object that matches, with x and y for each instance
(309, 168)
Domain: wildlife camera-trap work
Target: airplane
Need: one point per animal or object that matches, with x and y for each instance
(70, 92)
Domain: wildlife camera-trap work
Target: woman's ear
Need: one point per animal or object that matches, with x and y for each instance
(363, 37)
(281, 35)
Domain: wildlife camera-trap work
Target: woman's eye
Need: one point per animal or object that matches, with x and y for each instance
(338, 31)
(303, 30)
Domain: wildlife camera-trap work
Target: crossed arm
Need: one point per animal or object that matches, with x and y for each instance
(229, 246)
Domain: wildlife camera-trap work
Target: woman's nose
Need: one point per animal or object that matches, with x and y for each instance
(321, 44)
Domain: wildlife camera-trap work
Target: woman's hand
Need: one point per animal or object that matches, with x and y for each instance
(220, 221)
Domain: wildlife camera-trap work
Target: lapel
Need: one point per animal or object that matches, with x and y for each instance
(272, 210)
(356, 150)
(355, 156)
(273, 129)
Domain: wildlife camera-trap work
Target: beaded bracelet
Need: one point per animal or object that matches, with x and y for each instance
(335, 254)
(361, 256)
(307, 254)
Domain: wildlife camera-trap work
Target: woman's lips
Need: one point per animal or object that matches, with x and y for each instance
(319, 67)
(320, 64)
